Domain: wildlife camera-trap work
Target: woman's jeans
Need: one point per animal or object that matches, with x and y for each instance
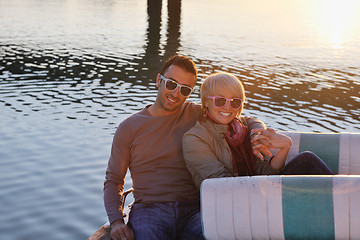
(306, 163)
(171, 220)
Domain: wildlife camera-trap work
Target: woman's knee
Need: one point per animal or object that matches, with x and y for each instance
(315, 164)
(308, 156)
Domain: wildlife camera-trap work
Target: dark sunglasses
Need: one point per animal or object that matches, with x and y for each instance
(218, 101)
(172, 85)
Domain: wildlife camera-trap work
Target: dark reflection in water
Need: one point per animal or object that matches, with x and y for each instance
(76, 76)
(144, 67)
(62, 94)
(38, 78)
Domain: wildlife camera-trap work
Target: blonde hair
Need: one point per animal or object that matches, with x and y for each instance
(221, 80)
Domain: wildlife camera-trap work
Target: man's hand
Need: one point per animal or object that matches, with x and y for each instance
(121, 231)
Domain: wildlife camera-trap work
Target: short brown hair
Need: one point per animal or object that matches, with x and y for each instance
(181, 61)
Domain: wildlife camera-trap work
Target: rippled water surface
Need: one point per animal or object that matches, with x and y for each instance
(71, 71)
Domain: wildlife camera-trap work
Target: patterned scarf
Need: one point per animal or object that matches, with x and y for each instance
(240, 146)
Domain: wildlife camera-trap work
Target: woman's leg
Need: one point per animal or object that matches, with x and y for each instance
(306, 163)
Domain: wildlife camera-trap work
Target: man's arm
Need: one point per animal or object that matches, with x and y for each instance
(253, 123)
(114, 183)
(115, 173)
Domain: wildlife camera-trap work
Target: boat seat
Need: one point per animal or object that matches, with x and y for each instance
(281, 207)
(340, 151)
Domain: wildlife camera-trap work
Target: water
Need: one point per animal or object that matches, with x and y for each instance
(71, 71)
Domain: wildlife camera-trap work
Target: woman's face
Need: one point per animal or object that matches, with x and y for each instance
(226, 113)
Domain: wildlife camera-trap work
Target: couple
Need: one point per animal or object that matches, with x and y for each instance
(167, 167)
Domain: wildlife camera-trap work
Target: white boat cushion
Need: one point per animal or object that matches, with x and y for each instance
(279, 207)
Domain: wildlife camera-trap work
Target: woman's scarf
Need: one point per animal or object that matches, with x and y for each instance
(239, 142)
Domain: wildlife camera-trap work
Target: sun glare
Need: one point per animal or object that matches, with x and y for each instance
(338, 19)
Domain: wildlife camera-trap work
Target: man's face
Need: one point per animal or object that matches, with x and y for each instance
(171, 100)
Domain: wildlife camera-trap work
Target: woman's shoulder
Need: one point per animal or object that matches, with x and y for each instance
(197, 129)
(206, 129)
(198, 135)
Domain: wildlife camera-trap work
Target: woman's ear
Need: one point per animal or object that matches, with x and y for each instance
(206, 104)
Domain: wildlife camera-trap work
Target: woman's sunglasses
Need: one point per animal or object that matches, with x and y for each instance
(172, 85)
(218, 101)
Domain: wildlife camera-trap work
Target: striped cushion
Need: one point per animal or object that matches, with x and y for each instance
(340, 151)
(279, 207)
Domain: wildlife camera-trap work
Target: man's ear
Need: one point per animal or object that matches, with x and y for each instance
(158, 79)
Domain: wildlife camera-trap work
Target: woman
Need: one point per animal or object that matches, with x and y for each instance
(219, 144)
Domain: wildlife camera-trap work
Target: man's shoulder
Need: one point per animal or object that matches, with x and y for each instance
(134, 118)
(191, 106)
(189, 110)
(139, 114)
(130, 124)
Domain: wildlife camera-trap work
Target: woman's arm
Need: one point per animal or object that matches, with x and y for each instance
(201, 160)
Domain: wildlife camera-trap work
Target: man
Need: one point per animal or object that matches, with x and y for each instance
(149, 143)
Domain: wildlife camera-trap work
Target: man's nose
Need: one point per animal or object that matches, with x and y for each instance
(176, 92)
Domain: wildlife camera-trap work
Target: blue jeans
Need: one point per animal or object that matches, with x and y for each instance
(306, 163)
(171, 220)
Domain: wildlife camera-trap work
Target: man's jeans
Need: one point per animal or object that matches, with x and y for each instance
(171, 220)
(306, 163)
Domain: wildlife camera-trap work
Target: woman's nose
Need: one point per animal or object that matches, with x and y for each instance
(227, 105)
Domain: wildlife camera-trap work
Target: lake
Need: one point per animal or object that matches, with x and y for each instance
(71, 71)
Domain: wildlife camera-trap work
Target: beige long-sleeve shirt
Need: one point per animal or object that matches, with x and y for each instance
(208, 155)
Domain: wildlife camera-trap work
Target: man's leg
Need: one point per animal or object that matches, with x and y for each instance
(306, 163)
(153, 221)
(189, 221)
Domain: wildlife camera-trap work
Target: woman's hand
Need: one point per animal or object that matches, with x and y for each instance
(267, 139)
(260, 143)
(275, 140)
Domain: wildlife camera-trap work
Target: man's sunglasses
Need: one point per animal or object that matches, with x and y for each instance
(218, 101)
(172, 85)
